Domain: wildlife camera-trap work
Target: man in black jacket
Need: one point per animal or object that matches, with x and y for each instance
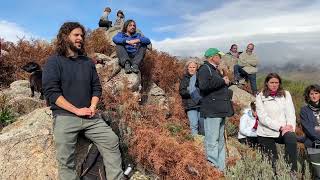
(215, 106)
(71, 84)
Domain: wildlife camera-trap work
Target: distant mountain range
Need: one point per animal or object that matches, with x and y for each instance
(294, 71)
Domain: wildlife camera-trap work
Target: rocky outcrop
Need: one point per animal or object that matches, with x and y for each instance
(18, 98)
(120, 81)
(241, 97)
(27, 149)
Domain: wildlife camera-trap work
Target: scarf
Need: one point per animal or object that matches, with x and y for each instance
(273, 93)
(316, 110)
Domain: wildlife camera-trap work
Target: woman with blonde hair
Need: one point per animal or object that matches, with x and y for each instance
(191, 107)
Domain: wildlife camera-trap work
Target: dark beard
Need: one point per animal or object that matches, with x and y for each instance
(75, 49)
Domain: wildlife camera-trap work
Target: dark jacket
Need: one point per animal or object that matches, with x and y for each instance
(308, 122)
(75, 79)
(121, 38)
(216, 101)
(188, 103)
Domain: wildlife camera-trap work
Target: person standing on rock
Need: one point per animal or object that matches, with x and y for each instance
(71, 84)
(191, 106)
(215, 106)
(247, 68)
(131, 47)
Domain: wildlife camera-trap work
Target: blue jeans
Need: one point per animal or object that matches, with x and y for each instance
(194, 116)
(239, 73)
(214, 141)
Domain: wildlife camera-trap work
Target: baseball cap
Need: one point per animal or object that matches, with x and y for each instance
(213, 51)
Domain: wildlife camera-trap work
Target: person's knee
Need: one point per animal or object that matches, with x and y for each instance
(113, 139)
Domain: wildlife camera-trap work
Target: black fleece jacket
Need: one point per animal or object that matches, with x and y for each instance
(308, 122)
(216, 101)
(75, 79)
(188, 103)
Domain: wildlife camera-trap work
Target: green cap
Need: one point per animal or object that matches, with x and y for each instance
(212, 51)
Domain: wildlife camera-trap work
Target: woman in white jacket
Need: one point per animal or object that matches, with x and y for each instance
(277, 121)
(248, 126)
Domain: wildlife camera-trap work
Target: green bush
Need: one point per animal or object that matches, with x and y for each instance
(6, 116)
(174, 128)
(254, 165)
(231, 129)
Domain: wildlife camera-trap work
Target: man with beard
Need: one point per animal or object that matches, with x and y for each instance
(131, 47)
(71, 84)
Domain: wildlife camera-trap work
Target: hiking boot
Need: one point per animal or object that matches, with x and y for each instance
(135, 68)
(127, 68)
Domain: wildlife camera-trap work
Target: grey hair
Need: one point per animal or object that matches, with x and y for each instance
(189, 62)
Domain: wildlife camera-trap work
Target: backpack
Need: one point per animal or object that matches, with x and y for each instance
(194, 91)
(93, 168)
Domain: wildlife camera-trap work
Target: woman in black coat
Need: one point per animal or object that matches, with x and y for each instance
(310, 121)
(191, 107)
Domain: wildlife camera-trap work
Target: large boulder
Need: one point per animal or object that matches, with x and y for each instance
(241, 97)
(109, 68)
(18, 99)
(157, 96)
(20, 87)
(120, 81)
(27, 148)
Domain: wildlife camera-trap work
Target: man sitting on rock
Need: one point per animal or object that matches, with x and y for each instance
(120, 20)
(230, 59)
(71, 83)
(247, 67)
(104, 20)
(130, 46)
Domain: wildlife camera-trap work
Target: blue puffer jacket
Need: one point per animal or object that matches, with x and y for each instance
(121, 39)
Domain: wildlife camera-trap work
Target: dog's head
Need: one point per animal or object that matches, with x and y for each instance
(31, 67)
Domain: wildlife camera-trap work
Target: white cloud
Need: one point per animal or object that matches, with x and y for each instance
(293, 22)
(10, 31)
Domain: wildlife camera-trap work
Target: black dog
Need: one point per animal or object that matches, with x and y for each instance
(35, 78)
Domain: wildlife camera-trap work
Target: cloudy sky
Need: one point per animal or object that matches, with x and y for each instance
(283, 30)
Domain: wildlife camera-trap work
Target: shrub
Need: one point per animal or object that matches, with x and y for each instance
(96, 42)
(255, 165)
(19, 54)
(231, 129)
(6, 116)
